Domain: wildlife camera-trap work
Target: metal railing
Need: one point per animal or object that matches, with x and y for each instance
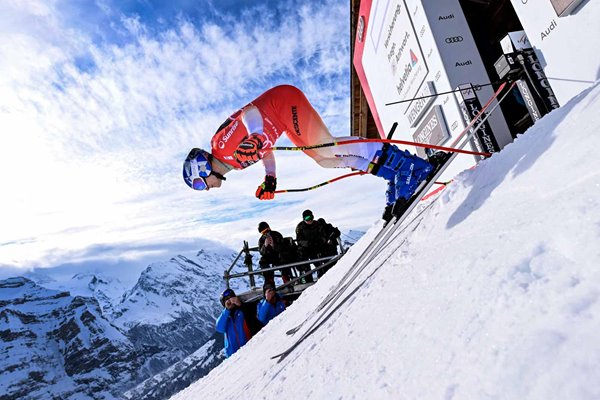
(327, 261)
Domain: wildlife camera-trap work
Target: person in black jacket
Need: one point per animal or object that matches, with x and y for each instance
(274, 251)
(316, 239)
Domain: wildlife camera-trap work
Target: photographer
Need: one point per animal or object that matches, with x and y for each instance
(274, 251)
(237, 323)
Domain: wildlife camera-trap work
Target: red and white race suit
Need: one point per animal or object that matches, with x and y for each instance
(286, 110)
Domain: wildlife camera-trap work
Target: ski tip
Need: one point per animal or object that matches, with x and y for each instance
(280, 357)
(292, 331)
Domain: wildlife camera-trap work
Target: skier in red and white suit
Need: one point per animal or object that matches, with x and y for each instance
(249, 134)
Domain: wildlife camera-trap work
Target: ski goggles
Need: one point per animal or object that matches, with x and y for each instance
(199, 184)
(196, 168)
(228, 293)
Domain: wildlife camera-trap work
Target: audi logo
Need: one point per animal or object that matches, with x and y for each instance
(361, 28)
(454, 39)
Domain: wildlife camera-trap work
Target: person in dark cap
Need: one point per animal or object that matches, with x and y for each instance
(307, 215)
(234, 323)
(274, 250)
(270, 306)
(316, 239)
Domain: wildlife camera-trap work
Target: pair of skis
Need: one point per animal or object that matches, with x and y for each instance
(386, 234)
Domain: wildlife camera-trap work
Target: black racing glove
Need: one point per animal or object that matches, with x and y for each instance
(266, 191)
(247, 151)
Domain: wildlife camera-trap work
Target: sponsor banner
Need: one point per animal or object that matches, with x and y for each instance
(538, 80)
(406, 49)
(433, 130)
(484, 139)
(388, 60)
(529, 100)
(396, 39)
(566, 47)
(462, 63)
(417, 108)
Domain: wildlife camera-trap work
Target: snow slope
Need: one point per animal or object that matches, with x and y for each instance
(495, 294)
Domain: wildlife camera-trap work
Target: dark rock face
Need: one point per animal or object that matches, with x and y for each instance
(154, 341)
(55, 343)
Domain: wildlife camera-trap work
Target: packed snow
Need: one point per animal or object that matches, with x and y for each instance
(493, 294)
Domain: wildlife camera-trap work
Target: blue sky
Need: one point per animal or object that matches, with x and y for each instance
(101, 101)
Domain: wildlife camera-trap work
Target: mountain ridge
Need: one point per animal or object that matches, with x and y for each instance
(102, 344)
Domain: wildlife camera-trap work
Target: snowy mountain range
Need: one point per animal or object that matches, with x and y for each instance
(99, 340)
(170, 312)
(92, 336)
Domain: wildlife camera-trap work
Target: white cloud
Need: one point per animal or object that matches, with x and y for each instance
(92, 155)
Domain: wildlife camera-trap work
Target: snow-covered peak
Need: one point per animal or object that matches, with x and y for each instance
(21, 293)
(493, 292)
(184, 284)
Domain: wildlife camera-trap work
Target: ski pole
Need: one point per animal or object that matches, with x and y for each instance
(322, 183)
(451, 149)
(460, 136)
(393, 141)
(334, 180)
(475, 87)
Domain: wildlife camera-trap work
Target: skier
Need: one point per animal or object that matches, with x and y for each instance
(248, 135)
(270, 306)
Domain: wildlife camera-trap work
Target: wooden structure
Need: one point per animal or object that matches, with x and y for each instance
(362, 122)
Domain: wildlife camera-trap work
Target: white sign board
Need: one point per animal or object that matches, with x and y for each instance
(568, 46)
(395, 33)
(420, 105)
(515, 41)
(407, 49)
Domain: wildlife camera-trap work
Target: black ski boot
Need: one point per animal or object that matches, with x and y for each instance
(387, 213)
(438, 159)
(390, 199)
(400, 206)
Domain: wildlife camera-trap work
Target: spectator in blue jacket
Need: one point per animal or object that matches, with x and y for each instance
(232, 322)
(270, 306)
